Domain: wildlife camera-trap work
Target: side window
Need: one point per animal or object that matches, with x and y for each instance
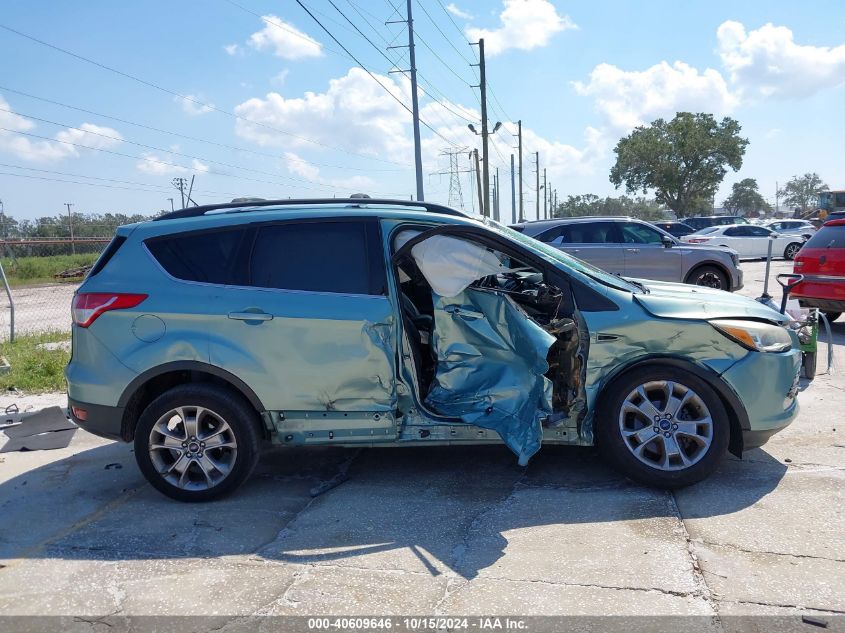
(343, 257)
(634, 233)
(735, 231)
(757, 231)
(207, 256)
(555, 235)
(591, 233)
(777, 226)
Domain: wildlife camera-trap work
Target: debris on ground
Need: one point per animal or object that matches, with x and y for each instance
(45, 429)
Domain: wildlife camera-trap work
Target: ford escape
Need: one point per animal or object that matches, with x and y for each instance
(205, 332)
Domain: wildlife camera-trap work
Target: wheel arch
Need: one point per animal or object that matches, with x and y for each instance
(148, 385)
(737, 415)
(714, 264)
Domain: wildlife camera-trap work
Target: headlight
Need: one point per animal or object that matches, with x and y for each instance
(761, 337)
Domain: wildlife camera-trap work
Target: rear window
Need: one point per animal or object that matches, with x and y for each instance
(343, 257)
(828, 237)
(107, 254)
(206, 257)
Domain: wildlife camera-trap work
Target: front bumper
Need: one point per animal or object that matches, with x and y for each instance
(737, 279)
(767, 386)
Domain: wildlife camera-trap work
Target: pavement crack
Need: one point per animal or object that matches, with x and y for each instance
(757, 551)
(789, 606)
(589, 585)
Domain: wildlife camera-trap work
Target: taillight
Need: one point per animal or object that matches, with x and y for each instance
(87, 306)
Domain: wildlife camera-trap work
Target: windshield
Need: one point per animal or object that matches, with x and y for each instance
(559, 257)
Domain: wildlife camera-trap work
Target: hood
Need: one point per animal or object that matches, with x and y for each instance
(684, 301)
(705, 246)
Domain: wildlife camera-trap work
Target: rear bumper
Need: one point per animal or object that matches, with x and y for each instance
(101, 420)
(825, 305)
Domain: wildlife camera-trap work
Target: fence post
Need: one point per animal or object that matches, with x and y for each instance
(11, 304)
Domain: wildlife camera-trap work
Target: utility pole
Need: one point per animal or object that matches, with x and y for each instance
(415, 106)
(497, 210)
(494, 194)
(513, 193)
(521, 211)
(777, 197)
(70, 225)
(482, 71)
(478, 182)
(171, 204)
(180, 183)
(537, 170)
(545, 196)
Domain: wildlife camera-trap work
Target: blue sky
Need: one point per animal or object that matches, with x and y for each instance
(293, 116)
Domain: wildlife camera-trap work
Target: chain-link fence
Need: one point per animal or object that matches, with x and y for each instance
(41, 277)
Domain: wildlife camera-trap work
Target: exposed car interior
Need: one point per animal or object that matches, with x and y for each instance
(465, 268)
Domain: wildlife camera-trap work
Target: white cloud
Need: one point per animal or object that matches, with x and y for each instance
(284, 39)
(233, 49)
(304, 169)
(525, 25)
(631, 98)
(354, 113)
(773, 133)
(194, 105)
(164, 165)
(301, 167)
(68, 142)
(767, 62)
(458, 13)
(280, 77)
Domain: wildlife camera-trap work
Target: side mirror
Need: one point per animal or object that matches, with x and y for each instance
(668, 242)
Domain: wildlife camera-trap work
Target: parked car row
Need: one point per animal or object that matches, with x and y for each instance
(633, 248)
(751, 242)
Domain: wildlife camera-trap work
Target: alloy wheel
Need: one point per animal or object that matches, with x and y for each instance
(710, 280)
(792, 251)
(192, 448)
(666, 425)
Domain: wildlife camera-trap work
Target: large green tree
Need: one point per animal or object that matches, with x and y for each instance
(683, 160)
(745, 198)
(801, 191)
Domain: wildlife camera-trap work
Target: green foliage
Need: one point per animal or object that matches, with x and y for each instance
(802, 191)
(34, 369)
(30, 270)
(683, 160)
(590, 204)
(745, 198)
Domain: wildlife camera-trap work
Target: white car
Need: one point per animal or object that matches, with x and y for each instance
(792, 227)
(751, 242)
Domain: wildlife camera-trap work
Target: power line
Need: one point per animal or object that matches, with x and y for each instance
(188, 137)
(367, 70)
(197, 102)
(445, 37)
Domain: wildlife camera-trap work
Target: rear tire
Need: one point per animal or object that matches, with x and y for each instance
(197, 442)
(709, 277)
(832, 316)
(808, 362)
(791, 250)
(692, 425)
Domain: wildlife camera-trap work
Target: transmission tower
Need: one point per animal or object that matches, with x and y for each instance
(456, 196)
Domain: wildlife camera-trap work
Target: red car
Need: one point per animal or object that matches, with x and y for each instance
(822, 262)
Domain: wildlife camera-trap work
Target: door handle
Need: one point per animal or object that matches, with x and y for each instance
(250, 316)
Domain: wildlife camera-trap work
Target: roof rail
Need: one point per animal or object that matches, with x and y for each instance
(192, 212)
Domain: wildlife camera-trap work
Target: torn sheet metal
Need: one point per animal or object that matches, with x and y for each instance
(490, 363)
(36, 431)
(450, 264)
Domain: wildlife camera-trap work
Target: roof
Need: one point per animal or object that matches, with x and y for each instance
(578, 218)
(836, 222)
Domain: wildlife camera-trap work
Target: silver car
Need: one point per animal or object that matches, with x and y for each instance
(633, 248)
(792, 227)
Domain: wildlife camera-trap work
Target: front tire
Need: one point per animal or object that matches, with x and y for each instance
(809, 361)
(692, 427)
(791, 250)
(197, 442)
(709, 277)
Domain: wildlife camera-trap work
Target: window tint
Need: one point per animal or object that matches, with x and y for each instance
(735, 231)
(207, 256)
(553, 235)
(342, 257)
(757, 231)
(590, 233)
(828, 237)
(634, 233)
(778, 226)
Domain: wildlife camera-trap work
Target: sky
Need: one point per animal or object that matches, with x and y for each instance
(103, 104)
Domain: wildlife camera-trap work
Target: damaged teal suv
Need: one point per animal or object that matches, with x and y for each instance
(359, 322)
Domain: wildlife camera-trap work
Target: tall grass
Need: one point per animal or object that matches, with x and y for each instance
(29, 270)
(34, 369)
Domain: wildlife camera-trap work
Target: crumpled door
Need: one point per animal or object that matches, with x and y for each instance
(490, 363)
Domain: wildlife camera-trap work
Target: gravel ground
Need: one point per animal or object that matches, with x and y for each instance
(437, 532)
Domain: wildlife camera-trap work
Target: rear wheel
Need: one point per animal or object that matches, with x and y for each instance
(197, 442)
(792, 250)
(808, 362)
(708, 276)
(662, 427)
(832, 316)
